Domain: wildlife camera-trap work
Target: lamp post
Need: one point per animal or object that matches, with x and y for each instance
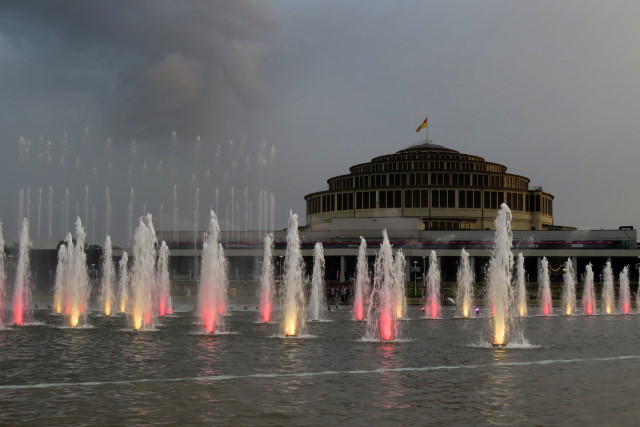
(415, 269)
(424, 269)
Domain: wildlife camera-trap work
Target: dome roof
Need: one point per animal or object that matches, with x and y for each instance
(426, 146)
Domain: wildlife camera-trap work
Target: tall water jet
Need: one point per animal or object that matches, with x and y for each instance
(569, 289)
(22, 284)
(123, 281)
(464, 293)
(381, 314)
(608, 294)
(588, 292)
(130, 218)
(317, 299)
(60, 295)
(107, 294)
(77, 277)
(399, 287)
(433, 287)
(143, 275)
(267, 288)
(362, 282)
(213, 280)
(624, 295)
(3, 277)
(544, 288)
(163, 283)
(521, 287)
(107, 226)
(499, 280)
(293, 299)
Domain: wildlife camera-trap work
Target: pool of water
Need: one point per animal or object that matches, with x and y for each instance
(577, 370)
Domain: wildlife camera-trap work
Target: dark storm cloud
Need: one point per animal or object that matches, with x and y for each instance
(167, 64)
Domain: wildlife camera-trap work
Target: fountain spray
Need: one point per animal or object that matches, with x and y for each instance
(399, 288)
(608, 294)
(588, 292)
(433, 287)
(22, 285)
(163, 283)
(382, 323)
(624, 292)
(213, 284)
(521, 288)
(293, 301)
(464, 294)
(3, 276)
(317, 300)
(362, 281)
(544, 288)
(123, 281)
(267, 291)
(499, 279)
(569, 289)
(107, 295)
(143, 274)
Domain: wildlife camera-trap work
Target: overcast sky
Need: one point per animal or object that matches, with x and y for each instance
(286, 94)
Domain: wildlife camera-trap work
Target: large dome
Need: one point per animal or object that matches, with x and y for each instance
(426, 146)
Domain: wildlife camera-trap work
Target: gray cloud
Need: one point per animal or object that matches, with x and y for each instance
(547, 88)
(165, 60)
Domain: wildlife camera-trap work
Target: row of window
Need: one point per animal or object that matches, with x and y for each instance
(433, 178)
(463, 199)
(393, 165)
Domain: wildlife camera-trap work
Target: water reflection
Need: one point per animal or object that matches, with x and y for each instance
(498, 391)
(392, 390)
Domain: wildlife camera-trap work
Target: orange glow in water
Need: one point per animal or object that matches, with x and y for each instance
(626, 307)
(107, 309)
(74, 318)
(291, 327)
(265, 313)
(465, 310)
(137, 320)
(386, 327)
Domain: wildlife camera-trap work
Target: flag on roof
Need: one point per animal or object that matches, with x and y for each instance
(423, 125)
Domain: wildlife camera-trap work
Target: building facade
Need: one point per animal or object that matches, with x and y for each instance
(442, 188)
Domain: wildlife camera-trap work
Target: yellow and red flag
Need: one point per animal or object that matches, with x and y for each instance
(423, 125)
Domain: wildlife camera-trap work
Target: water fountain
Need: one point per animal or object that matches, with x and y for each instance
(163, 288)
(72, 285)
(143, 275)
(399, 287)
(107, 294)
(608, 294)
(500, 292)
(213, 284)
(3, 277)
(624, 294)
(569, 289)
(317, 302)
(588, 292)
(544, 288)
(361, 282)
(521, 288)
(293, 299)
(433, 287)
(382, 323)
(123, 281)
(22, 284)
(267, 281)
(464, 293)
(59, 296)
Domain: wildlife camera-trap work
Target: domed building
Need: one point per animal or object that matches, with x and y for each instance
(441, 188)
